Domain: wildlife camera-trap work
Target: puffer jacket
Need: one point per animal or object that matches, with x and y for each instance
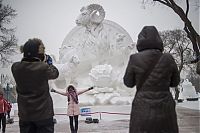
(153, 108)
(73, 107)
(33, 97)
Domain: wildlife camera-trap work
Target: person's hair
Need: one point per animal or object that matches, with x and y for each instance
(32, 49)
(70, 86)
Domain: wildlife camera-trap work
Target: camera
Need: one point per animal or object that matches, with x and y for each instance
(48, 59)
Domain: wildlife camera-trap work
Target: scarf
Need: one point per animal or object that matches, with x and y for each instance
(74, 96)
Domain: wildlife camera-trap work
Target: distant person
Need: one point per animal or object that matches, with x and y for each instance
(31, 74)
(153, 73)
(9, 109)
(73, 110)
(3, 111)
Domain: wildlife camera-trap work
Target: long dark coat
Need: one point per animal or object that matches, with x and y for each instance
(153, 108)
(34, 100)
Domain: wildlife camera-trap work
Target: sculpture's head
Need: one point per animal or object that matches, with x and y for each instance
(89, 15)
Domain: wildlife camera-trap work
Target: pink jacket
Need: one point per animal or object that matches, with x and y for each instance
(73, 108)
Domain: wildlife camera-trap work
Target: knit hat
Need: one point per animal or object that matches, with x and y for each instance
(149, 38)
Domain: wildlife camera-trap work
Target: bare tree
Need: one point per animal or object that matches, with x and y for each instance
(178, 44)
(8, 41)
(188, 28)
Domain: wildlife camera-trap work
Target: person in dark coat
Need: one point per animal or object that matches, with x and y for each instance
(31, 74)
(153, 73)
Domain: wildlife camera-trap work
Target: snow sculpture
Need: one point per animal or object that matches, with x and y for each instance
(97, 41)
(67, 73)
(95, 38)
(188, 92)
(101, 75)
(102, 48)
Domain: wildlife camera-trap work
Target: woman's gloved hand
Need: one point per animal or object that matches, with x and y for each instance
(91, 88)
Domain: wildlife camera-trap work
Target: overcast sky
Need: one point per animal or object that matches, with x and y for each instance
(52, 20)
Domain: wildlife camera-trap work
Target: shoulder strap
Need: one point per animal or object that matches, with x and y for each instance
(147, 73)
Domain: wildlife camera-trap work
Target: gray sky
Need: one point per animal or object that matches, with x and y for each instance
(52, 20)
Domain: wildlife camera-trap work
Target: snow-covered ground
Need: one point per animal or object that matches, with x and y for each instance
(108, 112)
(190, 104)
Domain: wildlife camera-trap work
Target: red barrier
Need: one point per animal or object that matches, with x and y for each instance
(115, 113)
(112, 113)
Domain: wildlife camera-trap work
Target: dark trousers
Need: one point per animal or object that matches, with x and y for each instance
(8, 113)
(3, 120)
(41, 126)
(71, 121)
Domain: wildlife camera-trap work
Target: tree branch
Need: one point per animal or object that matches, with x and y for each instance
(165, 2)
(187, 8)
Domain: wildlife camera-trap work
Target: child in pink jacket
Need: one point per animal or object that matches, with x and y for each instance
(73, 110)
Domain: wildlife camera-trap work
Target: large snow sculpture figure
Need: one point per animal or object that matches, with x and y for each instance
(95, 37)
(100, 40)
(97, 41)
(102, 49)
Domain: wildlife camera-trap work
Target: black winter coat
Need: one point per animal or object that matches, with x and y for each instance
(153, 108)
(34, 100)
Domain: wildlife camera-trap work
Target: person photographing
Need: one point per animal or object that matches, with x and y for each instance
(31, 74)
(73, 109)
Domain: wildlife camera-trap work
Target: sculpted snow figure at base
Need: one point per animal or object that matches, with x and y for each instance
(188, 90)
(98, 44)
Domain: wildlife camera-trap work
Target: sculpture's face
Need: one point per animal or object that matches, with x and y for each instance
(84, 18)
